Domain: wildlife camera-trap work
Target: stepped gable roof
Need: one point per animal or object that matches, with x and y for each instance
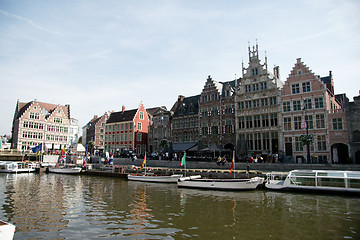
(22, 107)
(122, 116)
(187, 106)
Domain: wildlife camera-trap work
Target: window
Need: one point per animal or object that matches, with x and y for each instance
(321, 142)
(34, 115)
(298, 146)
(248, 104)
(257, 121)
(139, 126)
(265, 120)
(297, 123)
(296, 105)
(319, 102)
(241, 122)
(287, 123)
(264, 102)
(142, 115)
(320, 121)
(286, 106)
(306, 87)
(214, 111)
(249, 122)
(257, 141)
(337, 124)
(273, 119)
(295, 88)
(307, 104)
(309, 122)
(138, 137)
(256, 103)
(273, 101)
(263, 85)
(266, 141)
(250, 141)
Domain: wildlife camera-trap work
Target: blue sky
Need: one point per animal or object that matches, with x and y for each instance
(100, 55)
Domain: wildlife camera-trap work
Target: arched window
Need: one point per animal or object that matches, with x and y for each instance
(356, 136)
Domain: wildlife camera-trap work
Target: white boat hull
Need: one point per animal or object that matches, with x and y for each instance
(16, 167)
(74, 170)
(154, 178)
(7, 231)
(24, 170)
(316, 180)
(220, 184)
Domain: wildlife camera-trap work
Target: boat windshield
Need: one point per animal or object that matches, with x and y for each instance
(330, 174)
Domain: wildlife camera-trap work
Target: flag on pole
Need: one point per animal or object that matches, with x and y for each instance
(232, 163)
(37, 149)
(182, 163)
(85, 157)
(111, 159)
(143, 163)
(63, 155)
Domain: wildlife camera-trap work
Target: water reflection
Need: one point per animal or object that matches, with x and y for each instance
(50, 206)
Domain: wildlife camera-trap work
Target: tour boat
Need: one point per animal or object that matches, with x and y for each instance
(220, 184)
(7, 230)
(315, 180)
(155, 178)
(65, 169)
(16, 167)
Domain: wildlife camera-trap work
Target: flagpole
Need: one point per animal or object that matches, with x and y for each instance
(234, 162)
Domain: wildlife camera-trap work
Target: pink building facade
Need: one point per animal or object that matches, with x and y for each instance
(309, 108)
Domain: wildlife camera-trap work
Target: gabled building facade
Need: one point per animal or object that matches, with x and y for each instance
(217, 114)
(95, 131)
(127, 130)
(310, 109)
(159, 128)
(185, 120)
(258, 114)
(37, 122)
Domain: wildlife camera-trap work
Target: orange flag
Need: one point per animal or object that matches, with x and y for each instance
(144, 162)
(232, 163)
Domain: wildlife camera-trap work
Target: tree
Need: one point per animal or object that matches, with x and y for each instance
(164, 144)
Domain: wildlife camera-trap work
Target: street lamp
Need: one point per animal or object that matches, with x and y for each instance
(307, 139)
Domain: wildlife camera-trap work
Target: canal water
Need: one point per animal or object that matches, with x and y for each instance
(51, 206)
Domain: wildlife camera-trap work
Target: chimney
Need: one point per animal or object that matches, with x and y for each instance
(277, 72)
(181, 98)
(123, 108)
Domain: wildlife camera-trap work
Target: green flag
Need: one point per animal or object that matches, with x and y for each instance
(183, 160)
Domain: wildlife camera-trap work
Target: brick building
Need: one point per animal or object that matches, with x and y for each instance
(37, 122)
(309, 108)
(216, 114)
(127, 130)
(94, 131)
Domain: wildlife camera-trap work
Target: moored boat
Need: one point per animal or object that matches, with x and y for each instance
(220, 184)
(315, 180)
(7, 230)
(155, 178)
(16, 167)
(65, 169)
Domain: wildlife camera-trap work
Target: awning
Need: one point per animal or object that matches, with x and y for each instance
(181, 147)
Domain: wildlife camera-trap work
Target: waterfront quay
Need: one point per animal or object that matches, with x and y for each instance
(124, 166)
